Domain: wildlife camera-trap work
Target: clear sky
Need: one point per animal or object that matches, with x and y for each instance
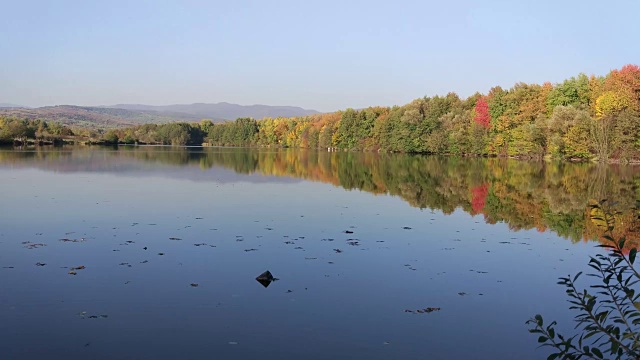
(324, 55)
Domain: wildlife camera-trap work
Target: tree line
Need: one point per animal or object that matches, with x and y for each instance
(584, 117)
(581, 118)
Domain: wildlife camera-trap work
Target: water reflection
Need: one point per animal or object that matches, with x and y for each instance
(153, 253)
(523, 194)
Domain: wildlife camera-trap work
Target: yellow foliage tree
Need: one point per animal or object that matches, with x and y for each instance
(611, 103)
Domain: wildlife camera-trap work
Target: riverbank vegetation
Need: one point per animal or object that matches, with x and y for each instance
(584, 117)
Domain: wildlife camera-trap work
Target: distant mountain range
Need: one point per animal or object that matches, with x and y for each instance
(5, 105)
(221, 111)
(136, 114)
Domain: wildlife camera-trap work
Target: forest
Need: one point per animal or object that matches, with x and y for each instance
(581, 118)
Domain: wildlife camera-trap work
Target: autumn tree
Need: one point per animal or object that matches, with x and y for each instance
(482, 117)
(574, 91)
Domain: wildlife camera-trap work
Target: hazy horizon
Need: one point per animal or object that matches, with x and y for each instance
(324, 56)
(159, 105)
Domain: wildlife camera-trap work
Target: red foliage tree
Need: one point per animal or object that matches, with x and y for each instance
(626, 82)
(482, 118)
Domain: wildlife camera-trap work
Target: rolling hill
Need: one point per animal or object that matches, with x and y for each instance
(134, 114)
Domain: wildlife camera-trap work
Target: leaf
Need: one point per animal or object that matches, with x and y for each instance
(577, 275)
(621, 243)
(542, 339)
(614, 347)
(632, 255)
(538, 318)
(590, 334)
(597, 217)
(597, 352)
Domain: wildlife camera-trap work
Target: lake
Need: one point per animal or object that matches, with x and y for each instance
(153, 252)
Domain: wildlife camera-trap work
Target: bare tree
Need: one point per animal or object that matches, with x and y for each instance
(600, 132)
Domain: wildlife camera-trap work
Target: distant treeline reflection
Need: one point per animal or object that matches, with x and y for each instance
(523, 194)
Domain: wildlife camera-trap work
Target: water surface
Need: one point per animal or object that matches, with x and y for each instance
(359, 241)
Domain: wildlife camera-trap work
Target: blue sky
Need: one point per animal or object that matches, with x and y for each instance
(325, 55)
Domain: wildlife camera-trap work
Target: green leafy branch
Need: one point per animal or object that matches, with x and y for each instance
(609, 312)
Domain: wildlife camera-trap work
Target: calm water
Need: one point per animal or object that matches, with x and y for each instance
(358, 241)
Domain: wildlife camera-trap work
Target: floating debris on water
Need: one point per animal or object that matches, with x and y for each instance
(266, 278)
(423, 311)
(73, 240)
(29, 245)
(175, 238)
(40, 264)
(194, 285)
(73, 270)
(84, 315)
